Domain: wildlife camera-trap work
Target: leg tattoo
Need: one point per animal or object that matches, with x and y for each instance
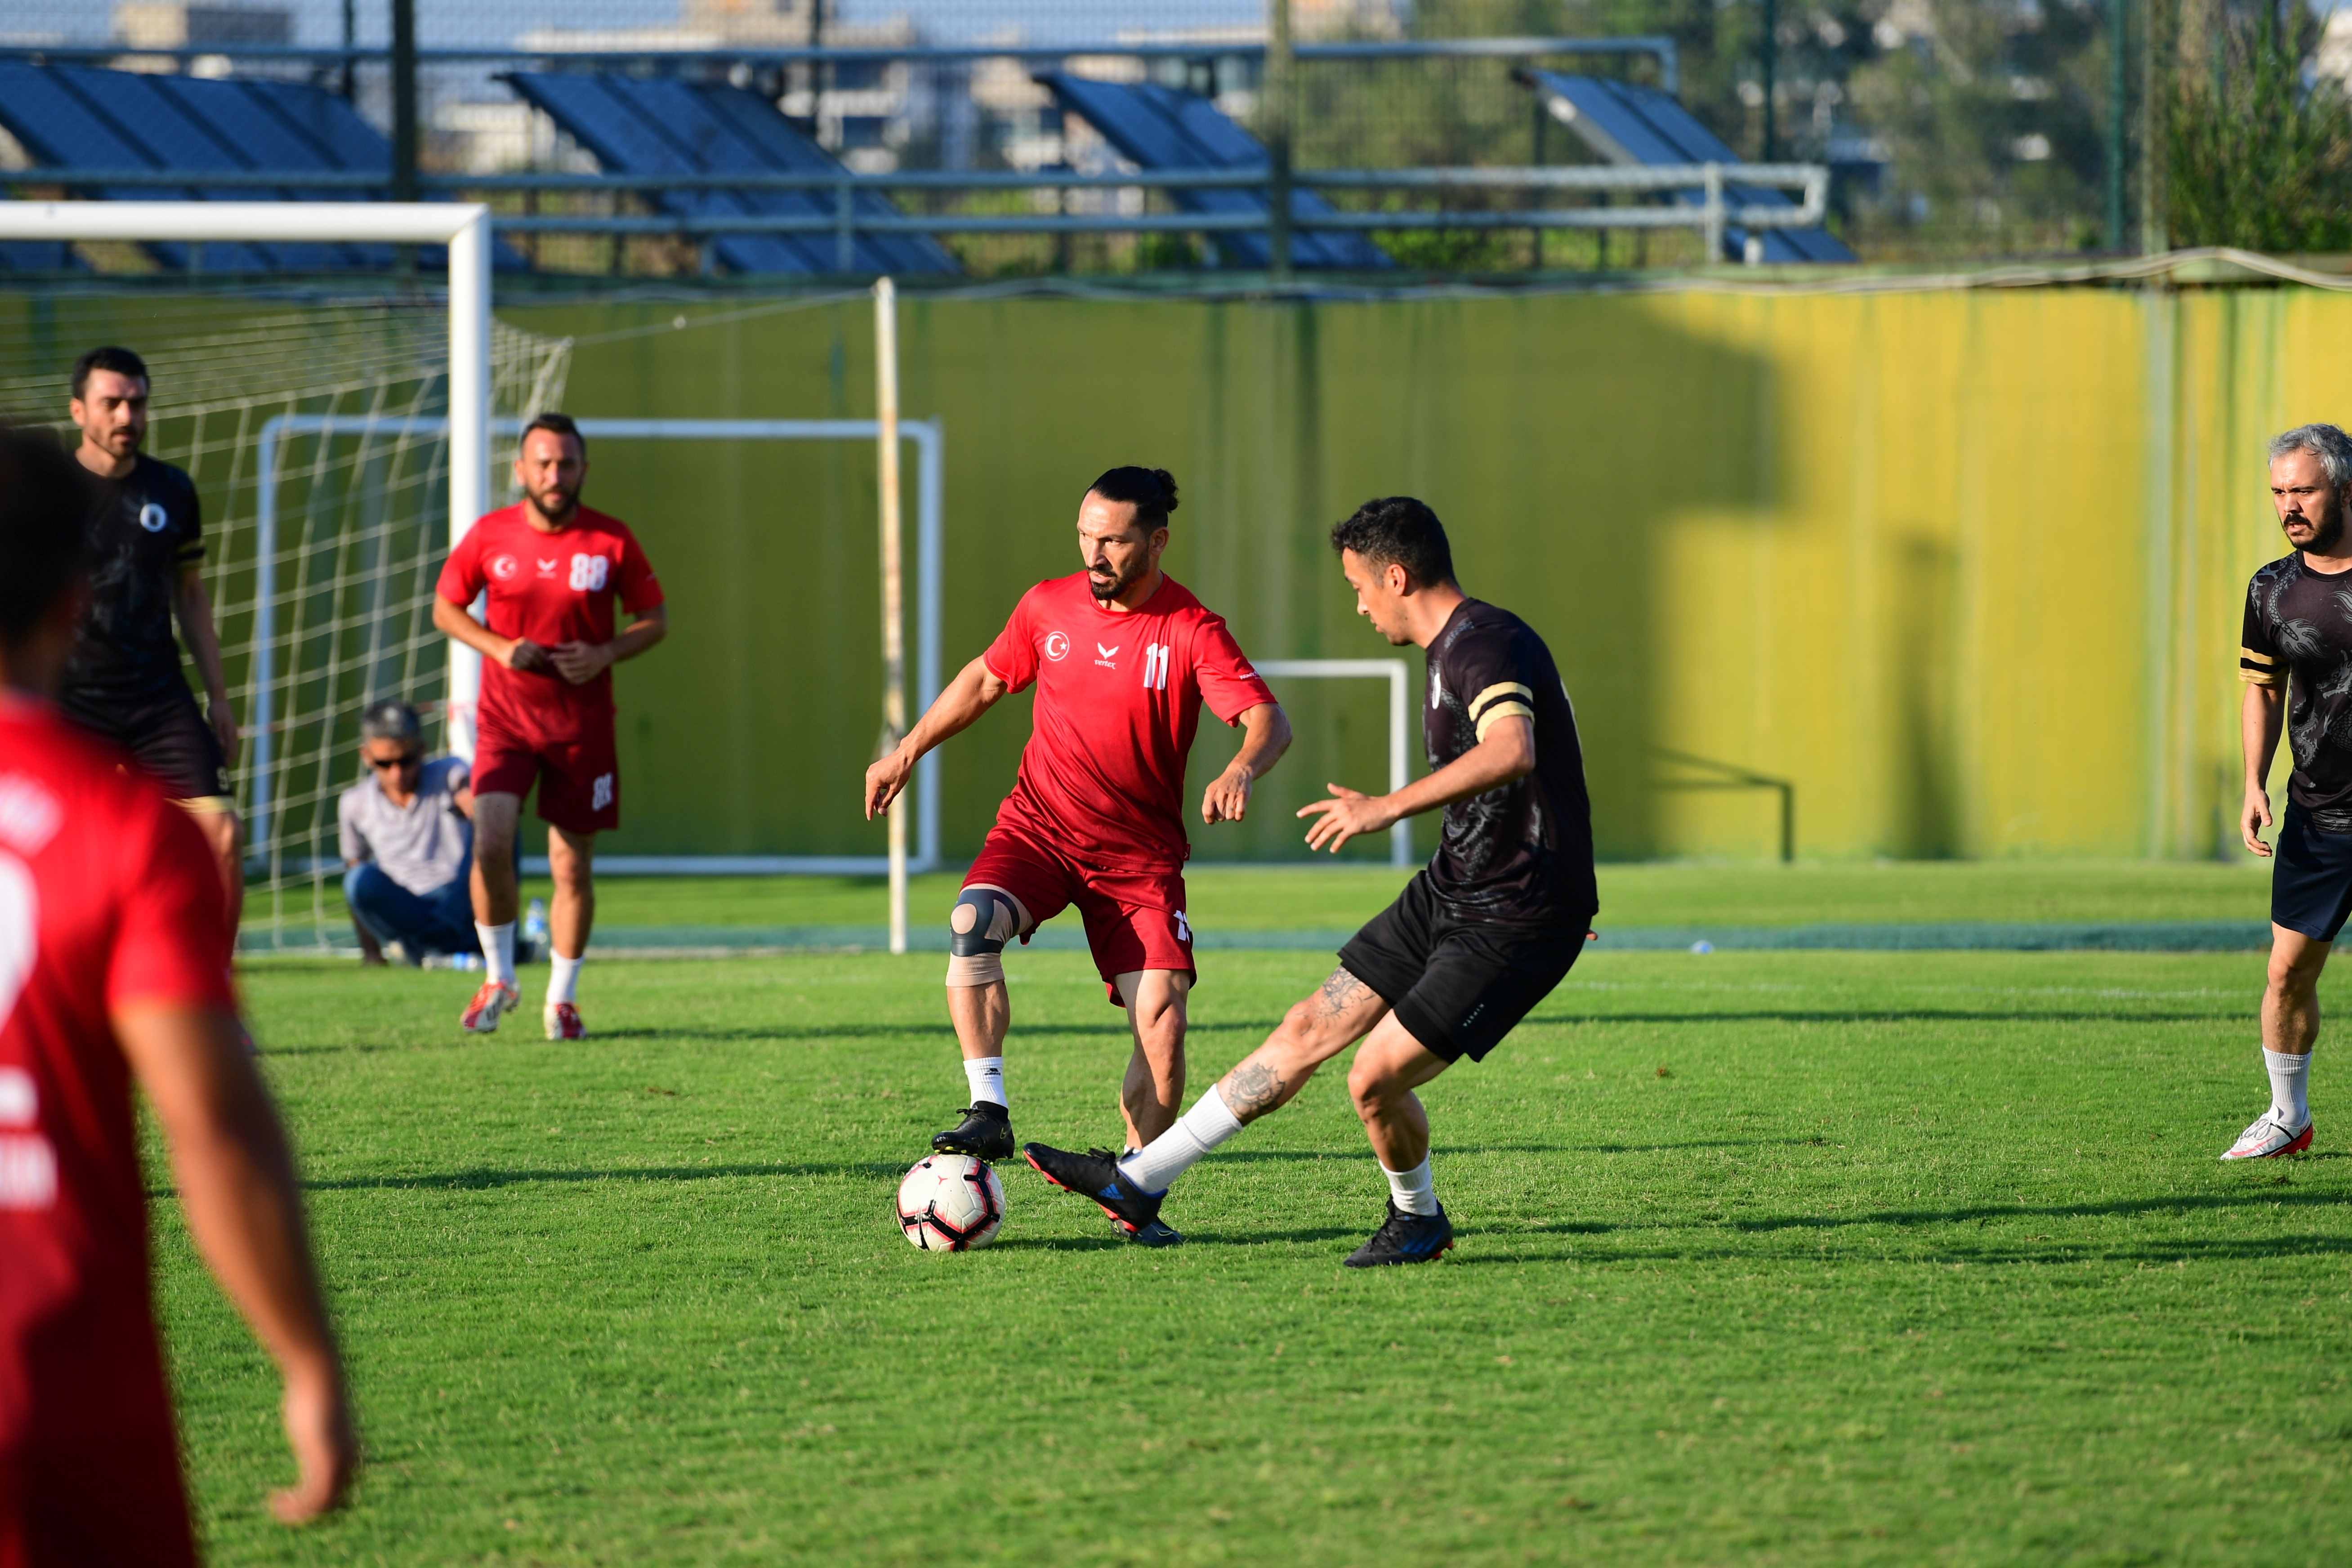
(1339, 993)
(1251, 1090)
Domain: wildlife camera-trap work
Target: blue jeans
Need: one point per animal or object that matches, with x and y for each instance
(440, 922)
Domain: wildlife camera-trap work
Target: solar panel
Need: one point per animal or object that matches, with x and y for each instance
(80, 117)
(658, 125)
(1640, 125)
(1160, 129)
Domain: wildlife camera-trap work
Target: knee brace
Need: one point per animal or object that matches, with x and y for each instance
(984, 921)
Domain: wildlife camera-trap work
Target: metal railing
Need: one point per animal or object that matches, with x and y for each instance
(1658, 47)
(1713, 214)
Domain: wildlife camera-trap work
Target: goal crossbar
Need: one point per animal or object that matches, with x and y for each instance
(463, 226)
(930, 548)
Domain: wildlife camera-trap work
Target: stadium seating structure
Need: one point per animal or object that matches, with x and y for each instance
(1159, 129)
(659, 125)
(1641, 126)
(86, 118)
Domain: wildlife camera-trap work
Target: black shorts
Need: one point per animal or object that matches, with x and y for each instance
(2311, 877)
(1460, 985)
(164, 732)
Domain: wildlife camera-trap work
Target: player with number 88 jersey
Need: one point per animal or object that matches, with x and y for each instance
(1123, 658)
(553, 570)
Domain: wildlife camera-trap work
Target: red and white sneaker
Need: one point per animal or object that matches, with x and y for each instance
(2269, 1137)
(562, 1020)
(491, 1002)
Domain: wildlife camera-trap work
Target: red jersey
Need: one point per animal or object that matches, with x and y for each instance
(1118, 700)
(108, 896)
(550, 588)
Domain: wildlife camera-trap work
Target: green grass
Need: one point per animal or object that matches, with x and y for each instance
(1786, 1258)
(1229, 899)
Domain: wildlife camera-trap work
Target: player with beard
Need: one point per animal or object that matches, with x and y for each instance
(124, 682)
(2295, 658)
(1474, 942)
(1123, 658)
(114, 973)
(552, 570)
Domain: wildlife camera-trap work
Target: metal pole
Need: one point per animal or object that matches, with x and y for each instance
(469, 437)
(350, 43)
(894, 631)
(404, 100)
(1400, 773)
(2156, 44)
(1279, 85)
(1772, 60)
(1714, 213)
(2118, 116)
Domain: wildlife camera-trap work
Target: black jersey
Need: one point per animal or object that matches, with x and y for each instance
(144, 530)
(1521, 854)
(2298, 633)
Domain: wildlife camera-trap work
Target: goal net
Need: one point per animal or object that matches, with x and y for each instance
(318, 438)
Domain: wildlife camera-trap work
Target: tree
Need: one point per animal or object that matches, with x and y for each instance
(2255, 156)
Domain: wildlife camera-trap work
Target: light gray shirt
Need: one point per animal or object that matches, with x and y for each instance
(421, 844)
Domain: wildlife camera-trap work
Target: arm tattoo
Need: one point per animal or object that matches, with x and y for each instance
(1339, 993)
(1252, 1089)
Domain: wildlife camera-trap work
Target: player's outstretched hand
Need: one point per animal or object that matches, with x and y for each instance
(2252, 818)
(527, 655)
(1347, 813)
(326, 1449)
(1227, 797)
(883, 780)
(580, 662)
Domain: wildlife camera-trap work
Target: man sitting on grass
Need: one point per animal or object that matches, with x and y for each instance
(408, 839)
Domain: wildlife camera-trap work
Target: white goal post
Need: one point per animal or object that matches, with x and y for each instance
(1392, 670)
(930, 548)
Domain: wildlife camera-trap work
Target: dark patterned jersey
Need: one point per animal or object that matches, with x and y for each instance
(143, 531)
(1521, 854)
(2298, 633)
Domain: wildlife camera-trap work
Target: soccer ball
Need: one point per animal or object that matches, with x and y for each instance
(950, 1203)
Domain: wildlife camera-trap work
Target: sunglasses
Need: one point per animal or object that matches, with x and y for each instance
(383, 765)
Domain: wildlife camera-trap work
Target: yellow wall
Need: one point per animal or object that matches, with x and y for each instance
(1965, 565)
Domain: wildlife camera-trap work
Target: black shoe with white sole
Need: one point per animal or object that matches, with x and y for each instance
(1096, 1174)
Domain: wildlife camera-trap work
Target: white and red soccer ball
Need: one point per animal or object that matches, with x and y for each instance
(950, 1203)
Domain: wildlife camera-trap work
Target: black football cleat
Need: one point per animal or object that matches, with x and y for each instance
(1094, 1175)
(1405, 1238)
(984, 1133)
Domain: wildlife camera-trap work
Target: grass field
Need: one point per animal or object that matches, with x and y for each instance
(1789, 1257)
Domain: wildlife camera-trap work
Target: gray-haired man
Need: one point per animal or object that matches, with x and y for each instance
(407, 838)
(2295, 657)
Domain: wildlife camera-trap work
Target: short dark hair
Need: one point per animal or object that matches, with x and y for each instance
(392, 719)
(45, 498)
(120, 361)
(1152, 491)
(562, 424)
(1401, 530)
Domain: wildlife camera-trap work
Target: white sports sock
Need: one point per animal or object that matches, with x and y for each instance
(497, 951)
(1175, 1151)
(563, 978)
(1415, 1191)
(2289, 1077)
(985, 1075)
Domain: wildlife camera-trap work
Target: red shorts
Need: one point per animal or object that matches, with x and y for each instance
(1135, 919)
(119, 1500)
(579, 780)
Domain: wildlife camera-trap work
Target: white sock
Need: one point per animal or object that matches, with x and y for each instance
(1175, 1151)
(1415, 1191)
(2289, 1076)
(985, 1075)
(497, 951)
(563, 978)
